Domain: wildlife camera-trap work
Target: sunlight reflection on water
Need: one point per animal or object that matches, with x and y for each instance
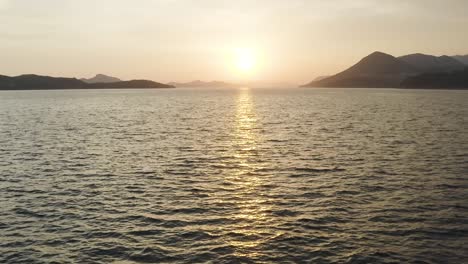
(251, 204)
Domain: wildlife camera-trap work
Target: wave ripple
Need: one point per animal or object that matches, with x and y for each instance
(234, 176)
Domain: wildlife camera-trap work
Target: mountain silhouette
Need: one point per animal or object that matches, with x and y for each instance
(37, 82)
(429, 63)
(461, 58)
(101, 78)
(377, 70)
(440, 80)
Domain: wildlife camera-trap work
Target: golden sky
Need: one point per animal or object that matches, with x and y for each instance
(183, 40)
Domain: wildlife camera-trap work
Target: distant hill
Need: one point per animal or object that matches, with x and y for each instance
(131, 84)
(201, 84)
(429, 63)
(444, 80)
(462, 59)
(37, 82)
(374, 71)
(379, 70)
(101, 78)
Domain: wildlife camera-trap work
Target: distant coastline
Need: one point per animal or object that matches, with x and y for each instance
(377, 70)
(38, 82)
(203, 84)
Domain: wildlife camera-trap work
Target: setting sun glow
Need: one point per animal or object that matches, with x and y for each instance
(245, 60)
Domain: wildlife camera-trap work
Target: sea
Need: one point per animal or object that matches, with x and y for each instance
(197, 175)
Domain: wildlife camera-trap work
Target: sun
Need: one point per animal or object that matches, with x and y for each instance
(245, 60)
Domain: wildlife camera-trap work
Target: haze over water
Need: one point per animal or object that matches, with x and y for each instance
(234, 176)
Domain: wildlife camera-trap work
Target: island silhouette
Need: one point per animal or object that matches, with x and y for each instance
(381, 70)
(38, 82)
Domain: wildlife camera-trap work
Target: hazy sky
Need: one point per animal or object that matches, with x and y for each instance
(182, 40)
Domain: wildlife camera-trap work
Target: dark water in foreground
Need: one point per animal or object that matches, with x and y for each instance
(234, 176)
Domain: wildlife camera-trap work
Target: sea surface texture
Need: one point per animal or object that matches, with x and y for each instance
(234, 176)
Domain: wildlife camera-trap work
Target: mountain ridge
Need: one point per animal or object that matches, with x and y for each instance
(430, 63)
(376, 70)
(381, 70)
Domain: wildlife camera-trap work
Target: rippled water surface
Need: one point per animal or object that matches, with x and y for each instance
(234, 176)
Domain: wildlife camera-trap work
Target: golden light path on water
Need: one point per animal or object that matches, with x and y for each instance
(251, 203)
